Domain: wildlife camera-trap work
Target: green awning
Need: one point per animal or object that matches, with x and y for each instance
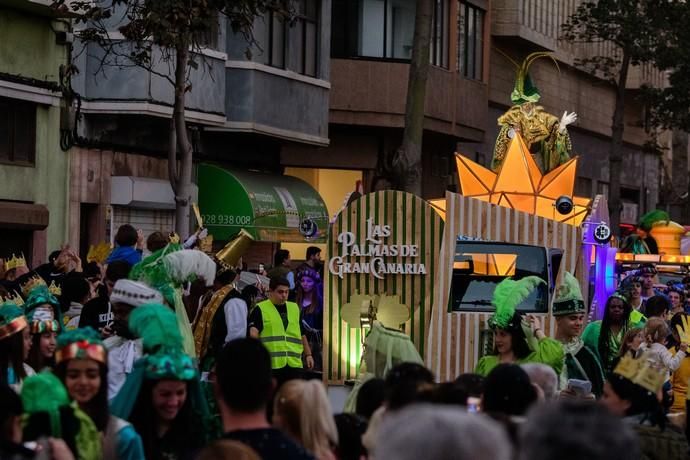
(270, 207)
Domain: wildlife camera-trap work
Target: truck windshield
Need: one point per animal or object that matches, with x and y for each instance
(479, 266)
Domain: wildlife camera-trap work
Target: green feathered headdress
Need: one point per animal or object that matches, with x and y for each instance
(569, 297)
(525, 90)
(165, 360)
(45, 392)
(170, 267)
(508, 294)
(648, 220)
(157, 327)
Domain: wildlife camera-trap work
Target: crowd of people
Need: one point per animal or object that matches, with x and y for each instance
(157, 350)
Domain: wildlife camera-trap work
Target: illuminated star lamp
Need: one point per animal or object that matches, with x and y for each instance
(520, 184)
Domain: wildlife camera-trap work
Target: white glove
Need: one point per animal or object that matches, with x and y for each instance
(203, 233)
(566, 119)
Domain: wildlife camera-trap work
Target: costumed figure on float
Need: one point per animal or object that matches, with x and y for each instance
(545, 135)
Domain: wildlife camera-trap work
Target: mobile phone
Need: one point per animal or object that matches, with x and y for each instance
(41, 447)
(473, 405)
(580, 387)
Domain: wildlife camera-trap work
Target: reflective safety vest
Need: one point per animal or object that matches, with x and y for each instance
(284, 346)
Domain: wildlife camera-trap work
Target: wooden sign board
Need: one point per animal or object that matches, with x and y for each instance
(384, 243)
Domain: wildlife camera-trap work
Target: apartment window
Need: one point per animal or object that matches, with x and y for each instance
(208, 37)
(305, 33)
(17, 131)
(274, 46)
(470, 40)
(372, 28)
(439, 34)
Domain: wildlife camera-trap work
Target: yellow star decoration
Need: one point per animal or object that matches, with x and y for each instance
(520, 184)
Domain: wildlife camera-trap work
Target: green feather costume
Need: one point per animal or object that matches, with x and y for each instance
(164, 359)
(166, 270)
(508, 295)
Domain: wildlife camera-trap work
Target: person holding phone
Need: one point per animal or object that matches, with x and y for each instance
(581, 362)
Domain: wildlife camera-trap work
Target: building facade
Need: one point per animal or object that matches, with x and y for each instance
(518, 28)
(33, 167)
(247, 103)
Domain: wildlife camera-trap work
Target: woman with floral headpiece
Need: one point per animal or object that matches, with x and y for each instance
(15, 343)
(310, 301)
(162, 396)
(517, 341)
(82, 367)
(42, 311)
(44, 329)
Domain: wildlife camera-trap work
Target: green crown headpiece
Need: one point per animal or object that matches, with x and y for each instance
(569, 297)
(508, 294)
(82, 343)
(40, 295)
(525, 90)
(169, 364)
(12, 320)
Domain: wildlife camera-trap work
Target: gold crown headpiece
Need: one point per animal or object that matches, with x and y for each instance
(98, 253)
(15, 262)
(55, 289)
(31, 284)
(13, 297)
(174, 238)
(644, 371)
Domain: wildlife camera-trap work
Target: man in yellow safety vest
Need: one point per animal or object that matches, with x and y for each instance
(278, 324)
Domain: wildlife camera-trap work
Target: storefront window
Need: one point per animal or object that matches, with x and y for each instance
(470, 40)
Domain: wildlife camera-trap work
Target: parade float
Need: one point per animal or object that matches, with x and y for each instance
(427, 269)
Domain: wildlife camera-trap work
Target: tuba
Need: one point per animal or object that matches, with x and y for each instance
(230, 255)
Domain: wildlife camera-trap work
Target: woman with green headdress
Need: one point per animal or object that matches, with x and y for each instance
(48, 413)
(81, 365)
(15, 343)
(518, 340)
(44, 329)
(42, 310)
(162, 396)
